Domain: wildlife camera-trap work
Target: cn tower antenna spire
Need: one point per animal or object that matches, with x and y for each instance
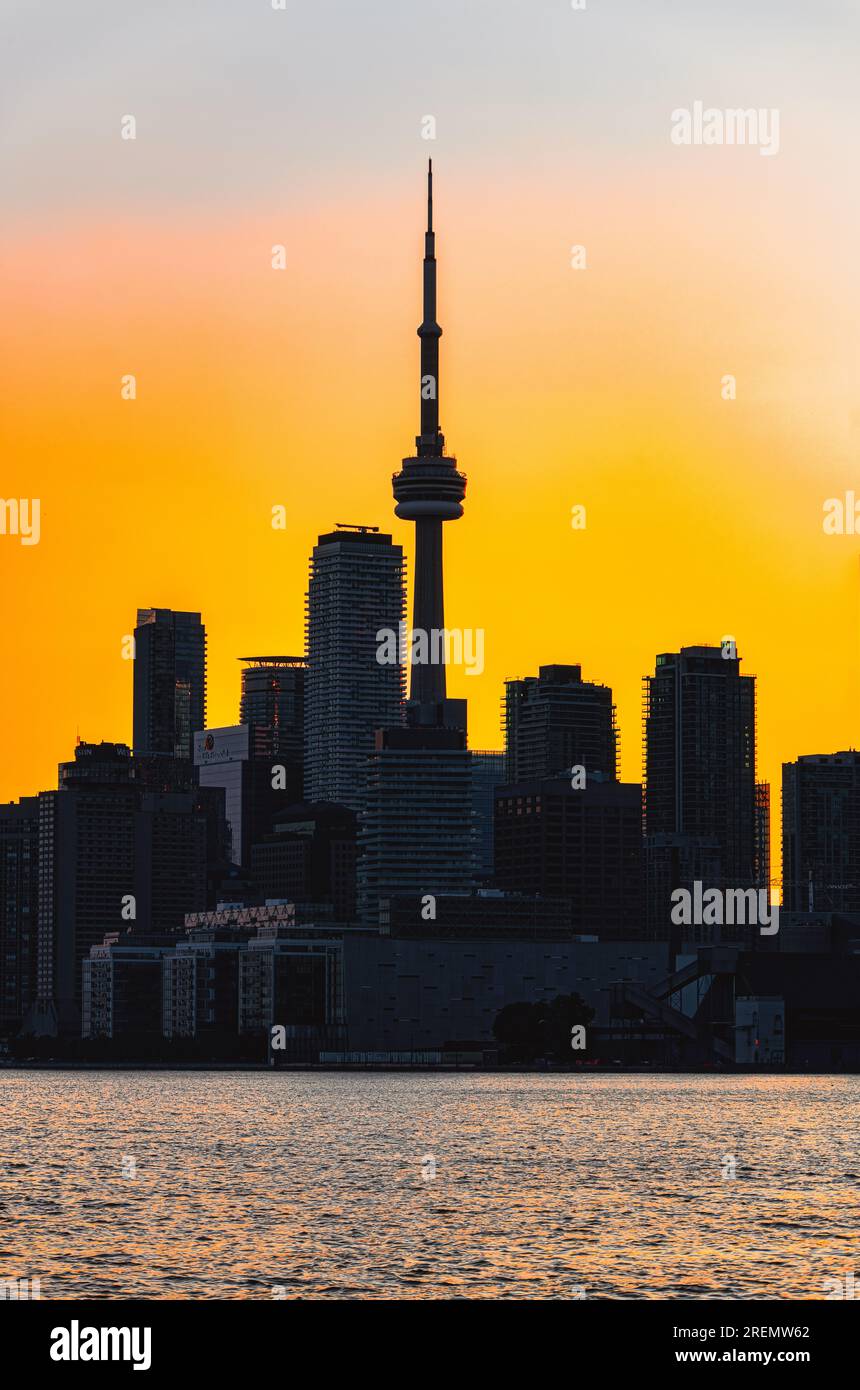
(430, 442)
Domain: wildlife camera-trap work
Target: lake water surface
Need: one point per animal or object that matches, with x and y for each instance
(231, 1185)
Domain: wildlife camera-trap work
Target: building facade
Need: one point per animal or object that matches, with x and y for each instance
(416, 833)
(112, 855)
(121, 988)
(19, 910)
(356, 591)
(273, 700)
(422, 993)
(169, 682)
(236, 759)
(291, 979)
(200, 986)
(700, 756)
(821, 833)
(310, 857)
(556, 721)
(486, 913)
(584, 844)
(488, 773)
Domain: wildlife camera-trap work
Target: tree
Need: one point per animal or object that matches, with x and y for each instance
(527, 1031)
(564, 1013)
(517, 1028)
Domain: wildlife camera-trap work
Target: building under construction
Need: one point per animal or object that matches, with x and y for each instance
(273, 698)
(821, 833)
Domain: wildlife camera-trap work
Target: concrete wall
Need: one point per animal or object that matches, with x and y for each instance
(406, 993)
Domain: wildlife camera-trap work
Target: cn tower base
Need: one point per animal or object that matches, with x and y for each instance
(436, 714)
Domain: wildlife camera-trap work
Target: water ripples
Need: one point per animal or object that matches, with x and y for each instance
(244, 1185)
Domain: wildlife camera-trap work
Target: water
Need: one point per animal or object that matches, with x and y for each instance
(251, 1183)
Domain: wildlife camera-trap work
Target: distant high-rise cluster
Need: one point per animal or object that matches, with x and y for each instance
(338, 862)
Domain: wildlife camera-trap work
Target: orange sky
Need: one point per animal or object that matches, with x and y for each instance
(602, 387)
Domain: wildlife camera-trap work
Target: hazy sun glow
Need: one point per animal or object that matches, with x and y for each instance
(600, 387)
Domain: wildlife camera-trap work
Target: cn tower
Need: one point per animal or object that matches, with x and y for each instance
(429, 490)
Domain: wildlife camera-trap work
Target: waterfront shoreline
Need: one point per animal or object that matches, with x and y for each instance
(318, 1067)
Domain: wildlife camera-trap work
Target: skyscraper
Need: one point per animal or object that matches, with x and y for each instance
(416, 832)
(821, 833)
(762, 834)
(112, 855)
(356, 589)
(237, 759)
(86, 871)
(700, 756)
(273, 698)
(488, 772)
(19, 909)
(555, 721)
(169, 682)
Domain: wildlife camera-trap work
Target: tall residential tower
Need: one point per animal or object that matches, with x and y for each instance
(821, 832)
(701, 816)
(356, 588)
(556, 720)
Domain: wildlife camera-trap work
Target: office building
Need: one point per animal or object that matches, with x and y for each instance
(488, 772)
(310, 857)
(112, 856)
(169, 682)
(168, 776)
(236, 758)
(416, 832)
(171, 863)
(582, 844)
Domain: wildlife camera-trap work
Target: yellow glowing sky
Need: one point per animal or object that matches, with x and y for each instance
(602, 387)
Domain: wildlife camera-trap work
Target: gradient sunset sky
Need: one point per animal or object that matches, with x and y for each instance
(599, 387)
